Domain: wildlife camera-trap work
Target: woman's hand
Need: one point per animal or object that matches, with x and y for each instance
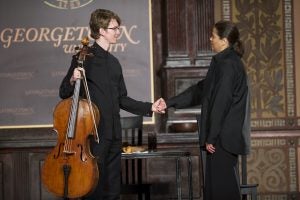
(210, 148)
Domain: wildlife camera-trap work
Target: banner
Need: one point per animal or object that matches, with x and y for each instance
(37, 41)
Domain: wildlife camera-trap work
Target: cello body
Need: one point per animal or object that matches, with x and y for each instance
(70, 170)
(83, 172)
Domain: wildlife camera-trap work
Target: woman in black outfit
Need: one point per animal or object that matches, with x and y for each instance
(224, 99)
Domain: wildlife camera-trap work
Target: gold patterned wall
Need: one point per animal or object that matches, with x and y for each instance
(273, 165)
(266, 28)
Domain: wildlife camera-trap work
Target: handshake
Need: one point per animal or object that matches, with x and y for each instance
(159, 106)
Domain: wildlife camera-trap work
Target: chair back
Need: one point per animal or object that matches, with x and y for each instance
(132, 174)
(132, 130)
(132, 134)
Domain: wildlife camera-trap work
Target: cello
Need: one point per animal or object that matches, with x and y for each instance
(70, 170)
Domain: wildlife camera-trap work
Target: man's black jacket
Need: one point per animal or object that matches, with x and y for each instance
(107, 90)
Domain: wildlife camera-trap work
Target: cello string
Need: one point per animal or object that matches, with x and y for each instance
(70, 125)
(72, 118)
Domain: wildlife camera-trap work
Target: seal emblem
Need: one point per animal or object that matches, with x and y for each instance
(67, 4)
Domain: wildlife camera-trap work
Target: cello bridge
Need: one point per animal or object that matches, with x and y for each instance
(69, 152)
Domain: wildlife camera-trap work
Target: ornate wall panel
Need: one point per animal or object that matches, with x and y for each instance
(266, 28)
(273, 164)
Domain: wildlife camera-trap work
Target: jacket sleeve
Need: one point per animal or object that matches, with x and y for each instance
(66, 89)
(221, 99)
(192, 96)
(132, 105)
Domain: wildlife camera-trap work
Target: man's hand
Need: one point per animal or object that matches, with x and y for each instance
(159, 106)
(77, 74)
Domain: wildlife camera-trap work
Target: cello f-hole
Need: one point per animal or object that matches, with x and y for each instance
(83, 156)
(55, 156)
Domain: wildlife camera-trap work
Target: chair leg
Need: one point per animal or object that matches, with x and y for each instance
(147, 195)
(244, 197)
(253, 195)
(140, 196)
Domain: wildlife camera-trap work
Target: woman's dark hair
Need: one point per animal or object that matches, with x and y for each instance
(100, 18)
(226, 29)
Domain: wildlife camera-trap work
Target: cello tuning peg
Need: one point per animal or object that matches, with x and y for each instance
(85, 41)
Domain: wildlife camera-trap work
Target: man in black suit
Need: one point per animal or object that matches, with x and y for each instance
(225, 122)
(108, 91)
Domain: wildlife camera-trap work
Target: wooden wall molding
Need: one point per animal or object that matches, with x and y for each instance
(187, 28)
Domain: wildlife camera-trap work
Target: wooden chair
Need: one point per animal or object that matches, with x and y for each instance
(245, 188)
(131, 175)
